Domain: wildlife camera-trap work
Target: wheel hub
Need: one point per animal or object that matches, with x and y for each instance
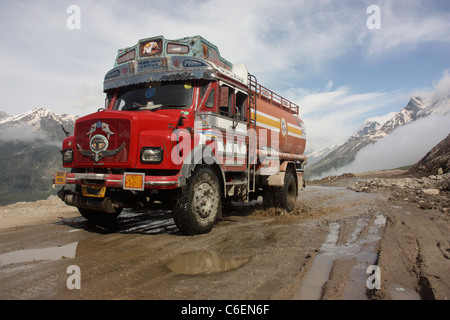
(204, 200)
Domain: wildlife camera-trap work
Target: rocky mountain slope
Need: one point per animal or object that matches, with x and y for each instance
(29, 153)
(437, 161)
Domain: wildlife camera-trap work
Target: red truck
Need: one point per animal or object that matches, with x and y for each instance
(183, 126)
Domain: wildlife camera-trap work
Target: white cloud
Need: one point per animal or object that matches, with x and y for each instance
(442, 87)
(404, 26)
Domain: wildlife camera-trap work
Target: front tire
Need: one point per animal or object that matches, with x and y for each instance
(199, 204)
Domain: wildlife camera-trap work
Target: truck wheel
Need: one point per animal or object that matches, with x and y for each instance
(98, 217)
(285, 196)
(199, 204)
(268, 194)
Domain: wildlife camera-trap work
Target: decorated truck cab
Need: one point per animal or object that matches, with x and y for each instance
(183, 126)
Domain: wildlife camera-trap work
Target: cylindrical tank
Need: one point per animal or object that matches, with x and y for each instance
(278, 126)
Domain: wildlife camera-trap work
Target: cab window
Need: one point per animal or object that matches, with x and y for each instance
(226, 101)
(210, 101)
(241, 102)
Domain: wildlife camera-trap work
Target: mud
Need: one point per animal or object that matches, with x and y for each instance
(327, 248)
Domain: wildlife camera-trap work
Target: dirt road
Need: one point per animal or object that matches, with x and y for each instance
(338, 244)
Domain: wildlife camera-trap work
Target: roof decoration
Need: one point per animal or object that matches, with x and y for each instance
(159, 59)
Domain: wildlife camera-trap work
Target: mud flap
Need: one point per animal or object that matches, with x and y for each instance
(301, 183)
(275, 180)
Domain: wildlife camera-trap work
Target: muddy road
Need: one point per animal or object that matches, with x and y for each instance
(338, 244)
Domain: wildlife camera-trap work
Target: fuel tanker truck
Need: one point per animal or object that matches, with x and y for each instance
(183, 127)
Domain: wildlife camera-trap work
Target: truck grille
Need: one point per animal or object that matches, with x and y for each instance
(103, 140)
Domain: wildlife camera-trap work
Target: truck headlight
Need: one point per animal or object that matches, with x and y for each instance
(67, 155)
(151, 155)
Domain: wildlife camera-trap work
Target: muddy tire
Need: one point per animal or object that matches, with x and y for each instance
(285, 197)
(199, 203)
(98, 217)
(268, 197)
(288, 195)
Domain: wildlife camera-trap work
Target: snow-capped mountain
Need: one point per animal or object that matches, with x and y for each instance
(29, 153)
(36, 124)
(373, 131)
(406, 115)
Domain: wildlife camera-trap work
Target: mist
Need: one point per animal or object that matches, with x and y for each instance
(20, 133)
(406, 145)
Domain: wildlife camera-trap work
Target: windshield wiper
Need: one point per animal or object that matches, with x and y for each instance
(137, 106)
(133, 106)
(164, 106)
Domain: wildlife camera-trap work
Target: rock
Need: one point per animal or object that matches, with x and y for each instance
(444, 184)
(430, 192)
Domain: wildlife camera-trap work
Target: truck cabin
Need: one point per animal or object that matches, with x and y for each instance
(161, 74)
(213, 96)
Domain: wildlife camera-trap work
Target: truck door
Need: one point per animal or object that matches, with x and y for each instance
(232, 114)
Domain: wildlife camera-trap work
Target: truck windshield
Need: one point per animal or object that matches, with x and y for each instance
(155, 96)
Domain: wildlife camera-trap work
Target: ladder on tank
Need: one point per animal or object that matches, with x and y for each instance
(252, 138)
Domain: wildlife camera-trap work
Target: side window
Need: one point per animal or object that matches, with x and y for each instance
(203, 88)
(241, 102)
(210, 102)
(226, 101)
(224, 97)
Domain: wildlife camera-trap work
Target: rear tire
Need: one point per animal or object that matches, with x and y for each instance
(282, 197)
(268, 197)
(199, 204)
(288, 195)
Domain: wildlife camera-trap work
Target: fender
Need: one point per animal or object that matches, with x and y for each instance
(277, 180)
(201, 154)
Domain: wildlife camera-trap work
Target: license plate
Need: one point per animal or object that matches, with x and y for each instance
(133, 181)
(60, 178)
(96, 192)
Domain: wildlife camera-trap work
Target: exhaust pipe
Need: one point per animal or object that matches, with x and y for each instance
(77, 200)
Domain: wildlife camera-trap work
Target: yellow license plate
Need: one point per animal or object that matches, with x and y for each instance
(133, 181)
(96, 192)
(60, 178)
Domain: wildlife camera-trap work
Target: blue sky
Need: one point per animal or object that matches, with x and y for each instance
(320, 54)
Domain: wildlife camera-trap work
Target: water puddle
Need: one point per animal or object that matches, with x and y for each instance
(29, 255)
(205, 262)
(69, 251)
(361, 248)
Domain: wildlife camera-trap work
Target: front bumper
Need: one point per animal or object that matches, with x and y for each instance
(118, 180)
